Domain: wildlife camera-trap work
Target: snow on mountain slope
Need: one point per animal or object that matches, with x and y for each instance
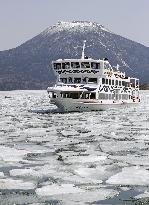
(74, 27)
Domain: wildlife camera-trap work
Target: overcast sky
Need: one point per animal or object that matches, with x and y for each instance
(21, 20)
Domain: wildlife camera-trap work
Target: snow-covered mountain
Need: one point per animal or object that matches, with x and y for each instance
(27, 66)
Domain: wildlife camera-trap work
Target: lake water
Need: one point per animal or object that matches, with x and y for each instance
(73, 158)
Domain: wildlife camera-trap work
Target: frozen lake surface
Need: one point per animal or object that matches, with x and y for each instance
(72, 158)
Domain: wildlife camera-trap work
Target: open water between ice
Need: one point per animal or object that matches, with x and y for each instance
(73, 158)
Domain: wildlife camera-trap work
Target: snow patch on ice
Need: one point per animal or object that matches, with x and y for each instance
(11, 154)
(87, 159)
(24, 173)
(143, 195)
(36, 172)
(132, 159)
(87, 197)
(130, 176)
(56, 189)
(16, 184)
(89, 173)
(1, 174)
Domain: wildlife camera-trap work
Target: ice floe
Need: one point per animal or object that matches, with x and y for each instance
(35, 172)
(87, 159)
(131, 159)
(143, 195)
(1, 174)
(86, 197)
(130, 176)
(56, 189)
(16, 184)
(11, 154)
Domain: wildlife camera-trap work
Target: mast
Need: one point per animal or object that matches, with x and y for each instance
(82, 57)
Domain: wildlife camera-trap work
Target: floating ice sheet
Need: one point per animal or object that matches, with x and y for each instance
(35, 172)
(1, 174)
(16, 184)
(130, 176)
(86, 197)
(56, 189)
(11, 154)
(132, 159)
(87, 159)
(143, 195)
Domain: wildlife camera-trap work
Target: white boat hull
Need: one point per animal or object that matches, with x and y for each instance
(72, 105)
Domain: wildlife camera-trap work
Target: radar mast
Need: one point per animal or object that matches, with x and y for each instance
(83, 56)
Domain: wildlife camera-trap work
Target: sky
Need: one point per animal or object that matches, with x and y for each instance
(21, 20)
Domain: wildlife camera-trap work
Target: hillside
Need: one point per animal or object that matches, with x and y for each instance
(28, 66)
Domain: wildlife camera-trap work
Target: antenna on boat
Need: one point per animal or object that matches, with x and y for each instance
(117, 67)
(83, 56)
(58, 79)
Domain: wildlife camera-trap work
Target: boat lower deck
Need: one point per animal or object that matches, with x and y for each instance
(71, 105)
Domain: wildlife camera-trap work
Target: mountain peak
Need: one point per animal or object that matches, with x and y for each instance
(74, 26)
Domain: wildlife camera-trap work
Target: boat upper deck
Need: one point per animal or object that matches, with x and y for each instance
(88, 63)
(88, 70)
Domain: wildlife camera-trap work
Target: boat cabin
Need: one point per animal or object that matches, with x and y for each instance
(92, 80)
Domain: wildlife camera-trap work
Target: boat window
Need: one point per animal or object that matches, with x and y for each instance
(112, 82)
(100, 96)
(70, 80)
(64, 80)
(119, 83)
(95, 65)
(120, 96)
(92, 80)
(84, 80)
(106, 96)
(93, 96)
(85, 65)
(103, 96)
(125, 97)
(65, 95)
(109, 81)
(110, 96)
(54, 66)
(66, 65)
(137, 84)
(54, 95)
(57, 66)
(116, 82)
(75, 65)
(87, 95)
(77, 80)
(123, 83)
(74, 95)
(103, 80)
(106, 66)
(106, 81)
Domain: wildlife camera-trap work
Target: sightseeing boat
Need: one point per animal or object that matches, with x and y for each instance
(86, 84)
